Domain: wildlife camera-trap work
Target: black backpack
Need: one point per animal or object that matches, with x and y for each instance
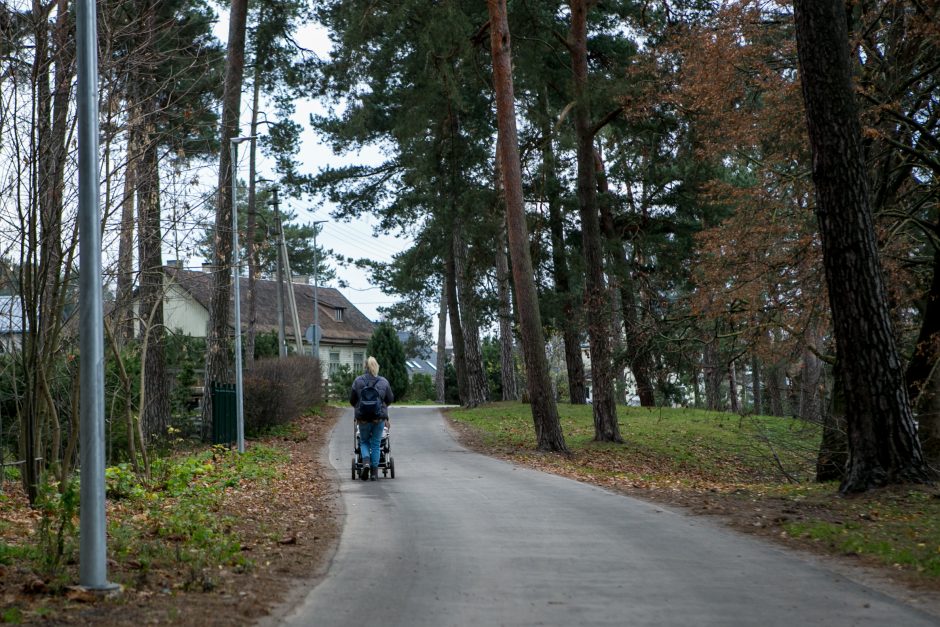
(370, 402)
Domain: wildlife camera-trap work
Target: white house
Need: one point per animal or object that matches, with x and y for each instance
(11, 324)
(345, 331)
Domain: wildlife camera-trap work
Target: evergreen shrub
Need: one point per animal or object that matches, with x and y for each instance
(388, 351)
(421, 388)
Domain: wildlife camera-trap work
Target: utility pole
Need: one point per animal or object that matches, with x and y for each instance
(93, 562)
(316, 300)
(281, 340)
(292, 301)
(236, 280)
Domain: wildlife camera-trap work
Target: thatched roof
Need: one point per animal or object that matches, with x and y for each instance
(354, 328)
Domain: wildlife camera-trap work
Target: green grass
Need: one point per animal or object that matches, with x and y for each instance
(898, 528)
(759, 466)
(703, 445)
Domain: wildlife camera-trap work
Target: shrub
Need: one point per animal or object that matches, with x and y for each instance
(422, 388)
(277, 391)
(341, 381)
(387, 350)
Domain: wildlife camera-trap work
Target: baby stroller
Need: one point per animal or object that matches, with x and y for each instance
(386, 462)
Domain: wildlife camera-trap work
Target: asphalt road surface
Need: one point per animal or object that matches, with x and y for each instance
(461, 539)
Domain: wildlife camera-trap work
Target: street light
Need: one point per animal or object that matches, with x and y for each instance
(236, 262)
(92, 552)
(316, 304)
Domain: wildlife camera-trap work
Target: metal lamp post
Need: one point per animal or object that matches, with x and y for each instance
(236, 263)
(93, 563)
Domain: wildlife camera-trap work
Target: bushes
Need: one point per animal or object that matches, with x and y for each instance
(422, 388)
(279, 390)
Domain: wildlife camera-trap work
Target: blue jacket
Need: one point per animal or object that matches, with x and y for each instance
(382, 386)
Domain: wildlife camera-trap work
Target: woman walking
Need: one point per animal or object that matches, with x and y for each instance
(371, 395)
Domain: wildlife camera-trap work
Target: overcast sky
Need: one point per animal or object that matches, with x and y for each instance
(348, 239)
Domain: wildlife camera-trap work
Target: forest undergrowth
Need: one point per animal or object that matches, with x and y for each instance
(214, 538)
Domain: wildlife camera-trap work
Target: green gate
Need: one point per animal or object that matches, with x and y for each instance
(224, 414)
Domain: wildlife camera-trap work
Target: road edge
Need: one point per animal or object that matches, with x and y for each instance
(299, 588)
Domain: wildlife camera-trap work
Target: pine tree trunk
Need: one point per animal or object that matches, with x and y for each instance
(544, 411)
(637, 350)
(756, 386)
(506, 349)
(156, 415)
(597, 300)
(883, 444)
(775, 388)
(477, 387)
(440, 383)
(810, 380)
(123, 307)
(713, 374)
(218, 359)
(733, 389)
(456, 329)
(569, 322)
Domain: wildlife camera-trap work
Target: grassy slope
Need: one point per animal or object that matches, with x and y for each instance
(758, 470)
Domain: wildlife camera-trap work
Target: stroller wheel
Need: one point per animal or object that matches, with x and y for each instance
(391, 466)
(354, 468)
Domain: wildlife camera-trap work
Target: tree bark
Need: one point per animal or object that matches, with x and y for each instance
(733, 389)
(544, 411)
(756, 386)
(477, 388)
(155, 415)
(713, 374)
(440, 383)
(456, 329)
(883, 444)
(637, 349)
(123, 309)
(574, 365)
(597, 300)
(776, 388)
(811, 378)
(218, 360)
(506, 348)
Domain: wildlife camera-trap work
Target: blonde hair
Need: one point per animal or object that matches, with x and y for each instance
(372, 366)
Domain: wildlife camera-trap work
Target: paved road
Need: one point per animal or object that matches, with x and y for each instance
(461, 539)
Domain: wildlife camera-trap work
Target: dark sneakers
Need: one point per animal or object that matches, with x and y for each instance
(364, 475)
(374, 476)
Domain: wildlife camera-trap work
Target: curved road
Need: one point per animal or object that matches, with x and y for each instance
(462, 539)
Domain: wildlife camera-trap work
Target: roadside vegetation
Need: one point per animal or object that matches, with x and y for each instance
(755, 471)
(207, 522)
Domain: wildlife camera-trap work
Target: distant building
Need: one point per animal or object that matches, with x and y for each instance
(11, 324)
(421, 361)
(345, 331)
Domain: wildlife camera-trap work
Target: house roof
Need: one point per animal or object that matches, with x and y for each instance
(353, 327)
(422, 365)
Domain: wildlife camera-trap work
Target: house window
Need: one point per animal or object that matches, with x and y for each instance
(338, 314)
(357, 363)
(334, 362)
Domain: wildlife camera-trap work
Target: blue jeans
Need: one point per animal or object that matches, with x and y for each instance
(370, 442)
